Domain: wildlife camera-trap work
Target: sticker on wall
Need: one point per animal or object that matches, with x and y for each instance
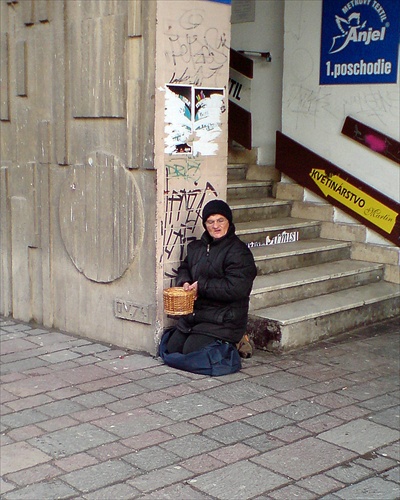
(359, 41)
(192, 119)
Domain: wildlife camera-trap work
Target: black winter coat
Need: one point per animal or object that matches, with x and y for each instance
(225, 270)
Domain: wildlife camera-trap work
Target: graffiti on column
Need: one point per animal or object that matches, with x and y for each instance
(182, 214)
(197, 53)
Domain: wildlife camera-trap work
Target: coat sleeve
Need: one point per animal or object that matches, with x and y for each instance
(184, 275)
(237, 280)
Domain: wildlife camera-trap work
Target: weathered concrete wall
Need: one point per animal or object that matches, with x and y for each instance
(78, 184)
(192, 71)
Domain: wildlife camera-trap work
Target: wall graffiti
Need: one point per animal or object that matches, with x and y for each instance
(182, 213)
(197, 53)
(187, 169)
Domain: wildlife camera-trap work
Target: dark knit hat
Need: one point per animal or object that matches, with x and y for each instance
(217, 207)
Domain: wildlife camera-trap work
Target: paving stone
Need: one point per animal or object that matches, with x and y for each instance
(151, 458)
(82, 374)
(162, 381)
(93, 399)
(35, 385)
(232, 432)
(320, 484)
(335, 384)
(21, 366)
(92, 414)
(178, 390)
(349, 412)
(319, 372)
(281, 381)
(25, 433)
(59, 356)
(24, 403)
(268, 421)
(389, 417)
(303, 458)
(187, 407)
(72, 440)
(75, 462)
(91, 348)
(22, 418)
(238, 481)
(124, 405)
(126, 390)
(116, 492)
(146, 439)
(99, 475)
(391, 451)
(202, 463)
(376, 462)
(153, 397)
(60, 408)
(239, 393)
(129, 362)
(296, 394)
(109, 451)
(263, 442)
(333, 400)
(18, 456)
(264, 404)
(16, 345)
(290, 433)
(55, 424)
(300, 410)
(380, 402)
(160, 478)
(42, 472)
(207, 421)
(181, 429)
(349, 473)
(175, 492)
(374, 487)
(392, 475)
(133, 423)
(233, 453)
(189, 446)
(5, 486)
(291, 491)
(235, 413)
(360, 435)
(105, 383)
(46, 490)
(320, 423)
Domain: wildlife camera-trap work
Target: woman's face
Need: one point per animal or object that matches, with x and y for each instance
(217, 225)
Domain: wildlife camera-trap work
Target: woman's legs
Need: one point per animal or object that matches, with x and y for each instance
(187, 342)
(196, 341)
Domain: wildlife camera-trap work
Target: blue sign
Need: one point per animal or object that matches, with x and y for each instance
(359, 41)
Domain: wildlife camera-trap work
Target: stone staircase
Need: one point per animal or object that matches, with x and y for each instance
(308, 287)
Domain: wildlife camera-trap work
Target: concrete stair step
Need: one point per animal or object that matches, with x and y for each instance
(275, 258)
(237, 171)
(246, 210)
(249, 189)
(283, 229)
(299, 323)
(297, 284)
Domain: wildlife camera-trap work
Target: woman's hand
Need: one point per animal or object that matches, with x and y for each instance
(189, 287)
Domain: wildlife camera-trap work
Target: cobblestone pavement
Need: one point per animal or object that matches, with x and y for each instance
(85, 420)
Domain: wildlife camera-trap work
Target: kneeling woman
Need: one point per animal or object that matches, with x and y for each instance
(220, 268)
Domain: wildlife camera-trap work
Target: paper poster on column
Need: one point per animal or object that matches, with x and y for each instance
(178, 119)
(192, 119)
(207, 119)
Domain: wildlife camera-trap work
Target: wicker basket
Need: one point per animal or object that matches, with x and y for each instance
(177, 302)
